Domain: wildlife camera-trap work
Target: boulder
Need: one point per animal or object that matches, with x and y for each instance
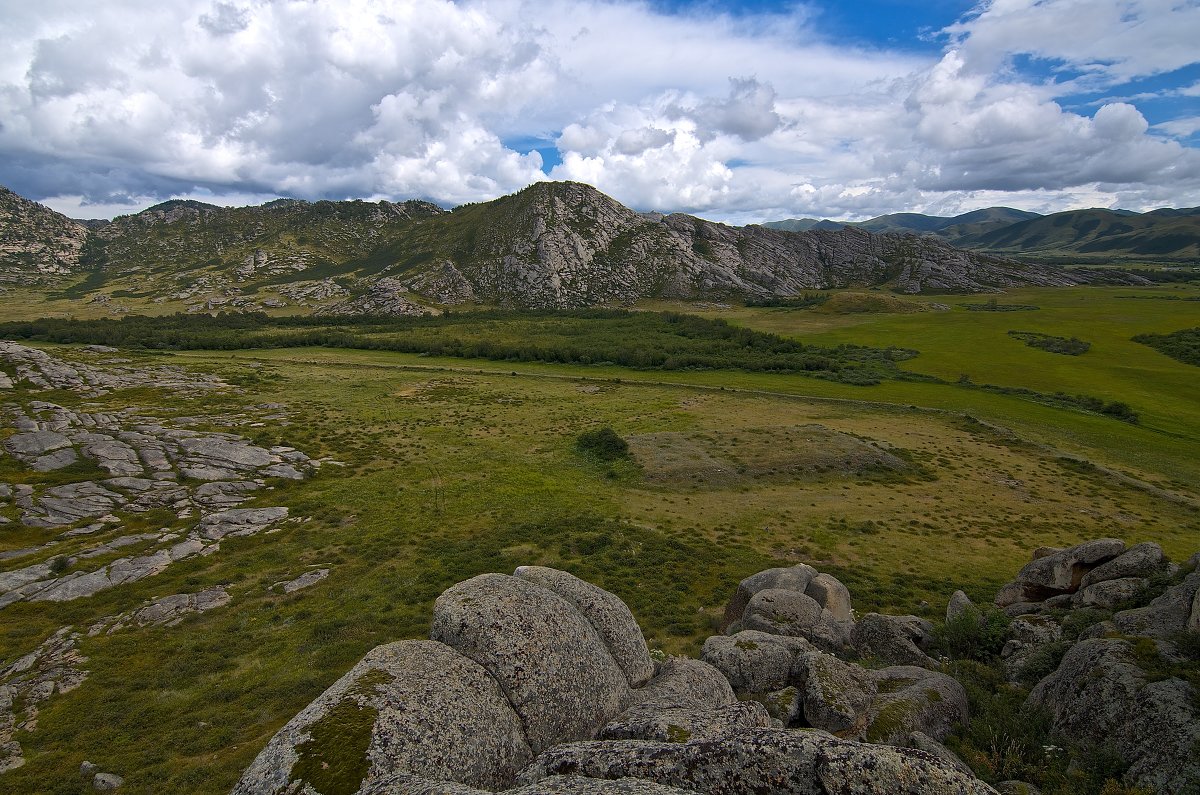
(1034, 630)
(831, 595)
(898, 640)
(610, 617)
(1140, 560)
(1107, 594)
(754, 662)
(411, 707)
(1063, 571)
(795, 614)
(678, 725)
(960, 604)
(1100, 696)
(1164, 616)
(549, 660)
(403, 784)
(106, 782)
(923, 742)
(912, 699)
(834, 695)
(761, 760)
(794, 578)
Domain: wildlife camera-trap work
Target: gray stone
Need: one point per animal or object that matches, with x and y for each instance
(610, 617)
(1063, 571)
(303, 581)
(960, 604)
(169, 609)
(681, 724)
(403, 784)
(107, 781)
(1106, 594)
(438, 715)
(754, 662)
(56, 460)
(794, 578)
(1034, 630)
(898, 640)
(685, 683)
(1165, 615)
(1099, 695)
(831, 595)
(761, 761)
(781, 612)
(1140, 560)
(923, 742)
(239, 522)
(504, 623)
(913, 699)
(229, 453)
(835, 696)
(28, 446)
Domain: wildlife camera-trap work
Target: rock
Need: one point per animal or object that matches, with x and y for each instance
(303, 581)
(831, 595)
(1140, 560)
(28, 446)
(1107, 594)
(56, 460)
(554, 785)
(682, 682)
(1034, 630)
(504, 623)
(1017, 788)
(107, 781)
(1164, 616)
(761, 761)
(794, 614)
(1063, 571)
(1100, 696)
(239, 522)
(794, 578)
(754, 662)
(912, 699)
(87, 769)
(923, 742)
(227, 453)
(960, 604)
(898, 640)
(412, 707)
(170, 609)
(680, 725)
(610, 617)
(836, 696)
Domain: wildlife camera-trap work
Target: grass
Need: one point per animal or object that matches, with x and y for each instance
(457, 467)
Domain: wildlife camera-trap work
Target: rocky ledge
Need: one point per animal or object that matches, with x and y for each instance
(542, 683)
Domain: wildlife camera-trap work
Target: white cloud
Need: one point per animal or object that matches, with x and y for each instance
(743, 117)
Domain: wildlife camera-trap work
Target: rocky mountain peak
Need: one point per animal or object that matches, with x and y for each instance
(35, 241)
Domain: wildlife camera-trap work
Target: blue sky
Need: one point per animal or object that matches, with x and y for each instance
(734, 111)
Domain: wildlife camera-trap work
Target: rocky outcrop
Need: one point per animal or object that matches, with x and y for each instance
(36, 241)
(1058, 572)
(540, 682)
(54, 667)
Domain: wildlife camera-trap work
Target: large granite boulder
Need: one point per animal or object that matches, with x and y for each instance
(1100, 695)
(1055, 572)
(415, 707)
(1140, 560)
(898, 640)
(793, 578)
(755, 662)
(777, 761)
(549, 660)
(610, 617)
(1171, 612)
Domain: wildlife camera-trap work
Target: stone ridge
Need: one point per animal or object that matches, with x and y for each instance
(551, 245)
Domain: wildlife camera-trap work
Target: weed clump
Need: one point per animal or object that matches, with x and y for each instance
(602, 444)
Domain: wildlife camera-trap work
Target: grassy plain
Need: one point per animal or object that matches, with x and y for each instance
(455, 467)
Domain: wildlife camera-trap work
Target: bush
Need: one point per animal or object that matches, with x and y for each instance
(603, 444)
(973, 635)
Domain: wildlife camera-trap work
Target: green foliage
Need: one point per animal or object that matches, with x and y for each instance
(1114, 408)
(1068, 346)
(1181, 345)
(602, 444)
(803, 301)
(973, 635)
(991, 305)
(641, 340)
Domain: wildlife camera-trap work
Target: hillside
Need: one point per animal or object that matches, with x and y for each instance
(1162, 233)
(550, 245)
(1168, 233)
(35, 241)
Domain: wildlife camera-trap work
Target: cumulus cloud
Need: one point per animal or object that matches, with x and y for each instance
(743, 117)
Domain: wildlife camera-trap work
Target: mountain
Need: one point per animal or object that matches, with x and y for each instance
(559, 244)
(1168, 233)
(35, 241)
(951, 228)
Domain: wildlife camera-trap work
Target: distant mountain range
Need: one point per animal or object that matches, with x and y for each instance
(554, 244)
(1166, 234)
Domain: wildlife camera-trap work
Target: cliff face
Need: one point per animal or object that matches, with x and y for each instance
(551, 245)
(35, 241)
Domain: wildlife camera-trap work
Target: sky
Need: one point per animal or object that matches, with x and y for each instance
(740, 112)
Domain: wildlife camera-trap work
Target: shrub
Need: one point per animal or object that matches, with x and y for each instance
(603, 444)
(973, 635)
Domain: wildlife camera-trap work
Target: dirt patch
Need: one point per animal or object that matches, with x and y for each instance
(758, 455)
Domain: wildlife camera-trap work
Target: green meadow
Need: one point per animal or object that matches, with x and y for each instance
(448, 467)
